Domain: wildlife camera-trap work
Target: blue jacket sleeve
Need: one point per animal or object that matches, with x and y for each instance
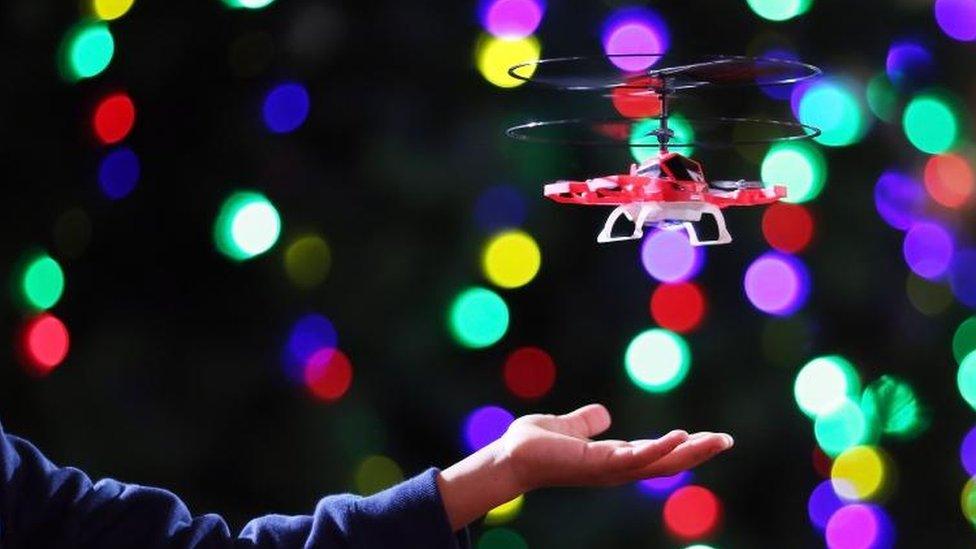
(43, 505)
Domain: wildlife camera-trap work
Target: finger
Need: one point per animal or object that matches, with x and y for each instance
(650, 451)
(585, 422)
(689, 454)
(609, 457)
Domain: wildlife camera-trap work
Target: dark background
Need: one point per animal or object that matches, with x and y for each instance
(174, 376)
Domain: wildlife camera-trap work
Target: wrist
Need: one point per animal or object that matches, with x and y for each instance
(478, 483)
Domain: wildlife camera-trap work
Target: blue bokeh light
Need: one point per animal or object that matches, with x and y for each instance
(500, 207)
(310, 334)
(286, 107)
(899, 199)
(118, 173)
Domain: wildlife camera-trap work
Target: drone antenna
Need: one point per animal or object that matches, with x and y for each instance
(664, 134)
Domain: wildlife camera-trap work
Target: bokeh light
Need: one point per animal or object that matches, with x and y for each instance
(787, 227)
(892, 405)
(633, 102)
(962, 276)
(931, 124)
(840, 428)
(967, 452)
(882, 98)
(949, 180)
(957, 18)
(635, 30)
(249, 4)
(899, 199)
(928, 249)
(908, 63)
(668, 256)
(823, 503)
(859, 526)
(375, 474)
(505, 512)
(118, 173)
(484, 425)
(511, 259)
(41, 282)
(86, 51)
(786, 341)
(247, 225)
(500, 207)
(45, 343)
(307, 261)
(777, 284)
(967, 501)
(928, 297)
(964, 339)
(529, 372)
(779, 10)
(494, 56)
(107, 10)
(679, 307)
(286, 107)
(114, 118)
(860, 473)
(799, 167)
(966, 379)
(640, 137)
(511, 19)
(310, 334)
(662, 487)
(692, 512)
(824, 384)
(833, 107)
(501, 538)
(328, 374)
(478, 318)
(657, 360)
(72, 233)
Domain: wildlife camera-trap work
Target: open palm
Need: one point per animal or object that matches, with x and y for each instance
(550, 450)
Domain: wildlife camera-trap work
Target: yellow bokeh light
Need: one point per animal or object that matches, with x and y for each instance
(505, 512)
(494, 56)
(968, 501)
(860, 473)
(376, 473)
(108, 10)
(511, 259)
(307, 261)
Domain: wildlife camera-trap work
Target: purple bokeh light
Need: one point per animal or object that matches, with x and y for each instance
(499, 207)
(668, 256)
(908, 63)
(798, 91)
(661, 487)
(777, 284)
(859, 526)
(485, 425)
(957, 18)
(823, 503)
(928, 249)
(899, 199)
(511, 19)
(962, 276)
(310, 334)
(635, 30)
(781, 92)
(967, 452)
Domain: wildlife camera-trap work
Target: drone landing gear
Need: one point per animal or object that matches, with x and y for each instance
(686, 213)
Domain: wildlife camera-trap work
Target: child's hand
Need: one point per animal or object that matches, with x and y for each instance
(546, 450)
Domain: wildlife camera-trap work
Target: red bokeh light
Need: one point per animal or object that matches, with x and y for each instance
(821, 462)
(45, 343)
(328, 374)
(634, 101)
(949, 180)
(692, 513)
(679, 307)
(787, 227)
(113, 119)
(529, 372)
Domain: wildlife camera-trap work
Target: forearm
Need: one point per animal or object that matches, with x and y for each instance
(477, 484)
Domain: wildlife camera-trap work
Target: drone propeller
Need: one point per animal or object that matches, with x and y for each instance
(737, 185)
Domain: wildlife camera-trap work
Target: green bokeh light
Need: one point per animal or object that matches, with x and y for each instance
(928, 297)
(247, 225)
(248, 4)
(931, 124)
(478, 318)
(798, 166)
(779, 10)
(824, 384)
(502, 538)
(86, 51)
(657, 360)
(841, 428)
(966, 379)
(882, 98)
(964, 340)
(891, 404)
(683, 133)
(832, 107)
(42, 283)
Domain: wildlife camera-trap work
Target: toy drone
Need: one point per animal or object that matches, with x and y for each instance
(667, 190)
